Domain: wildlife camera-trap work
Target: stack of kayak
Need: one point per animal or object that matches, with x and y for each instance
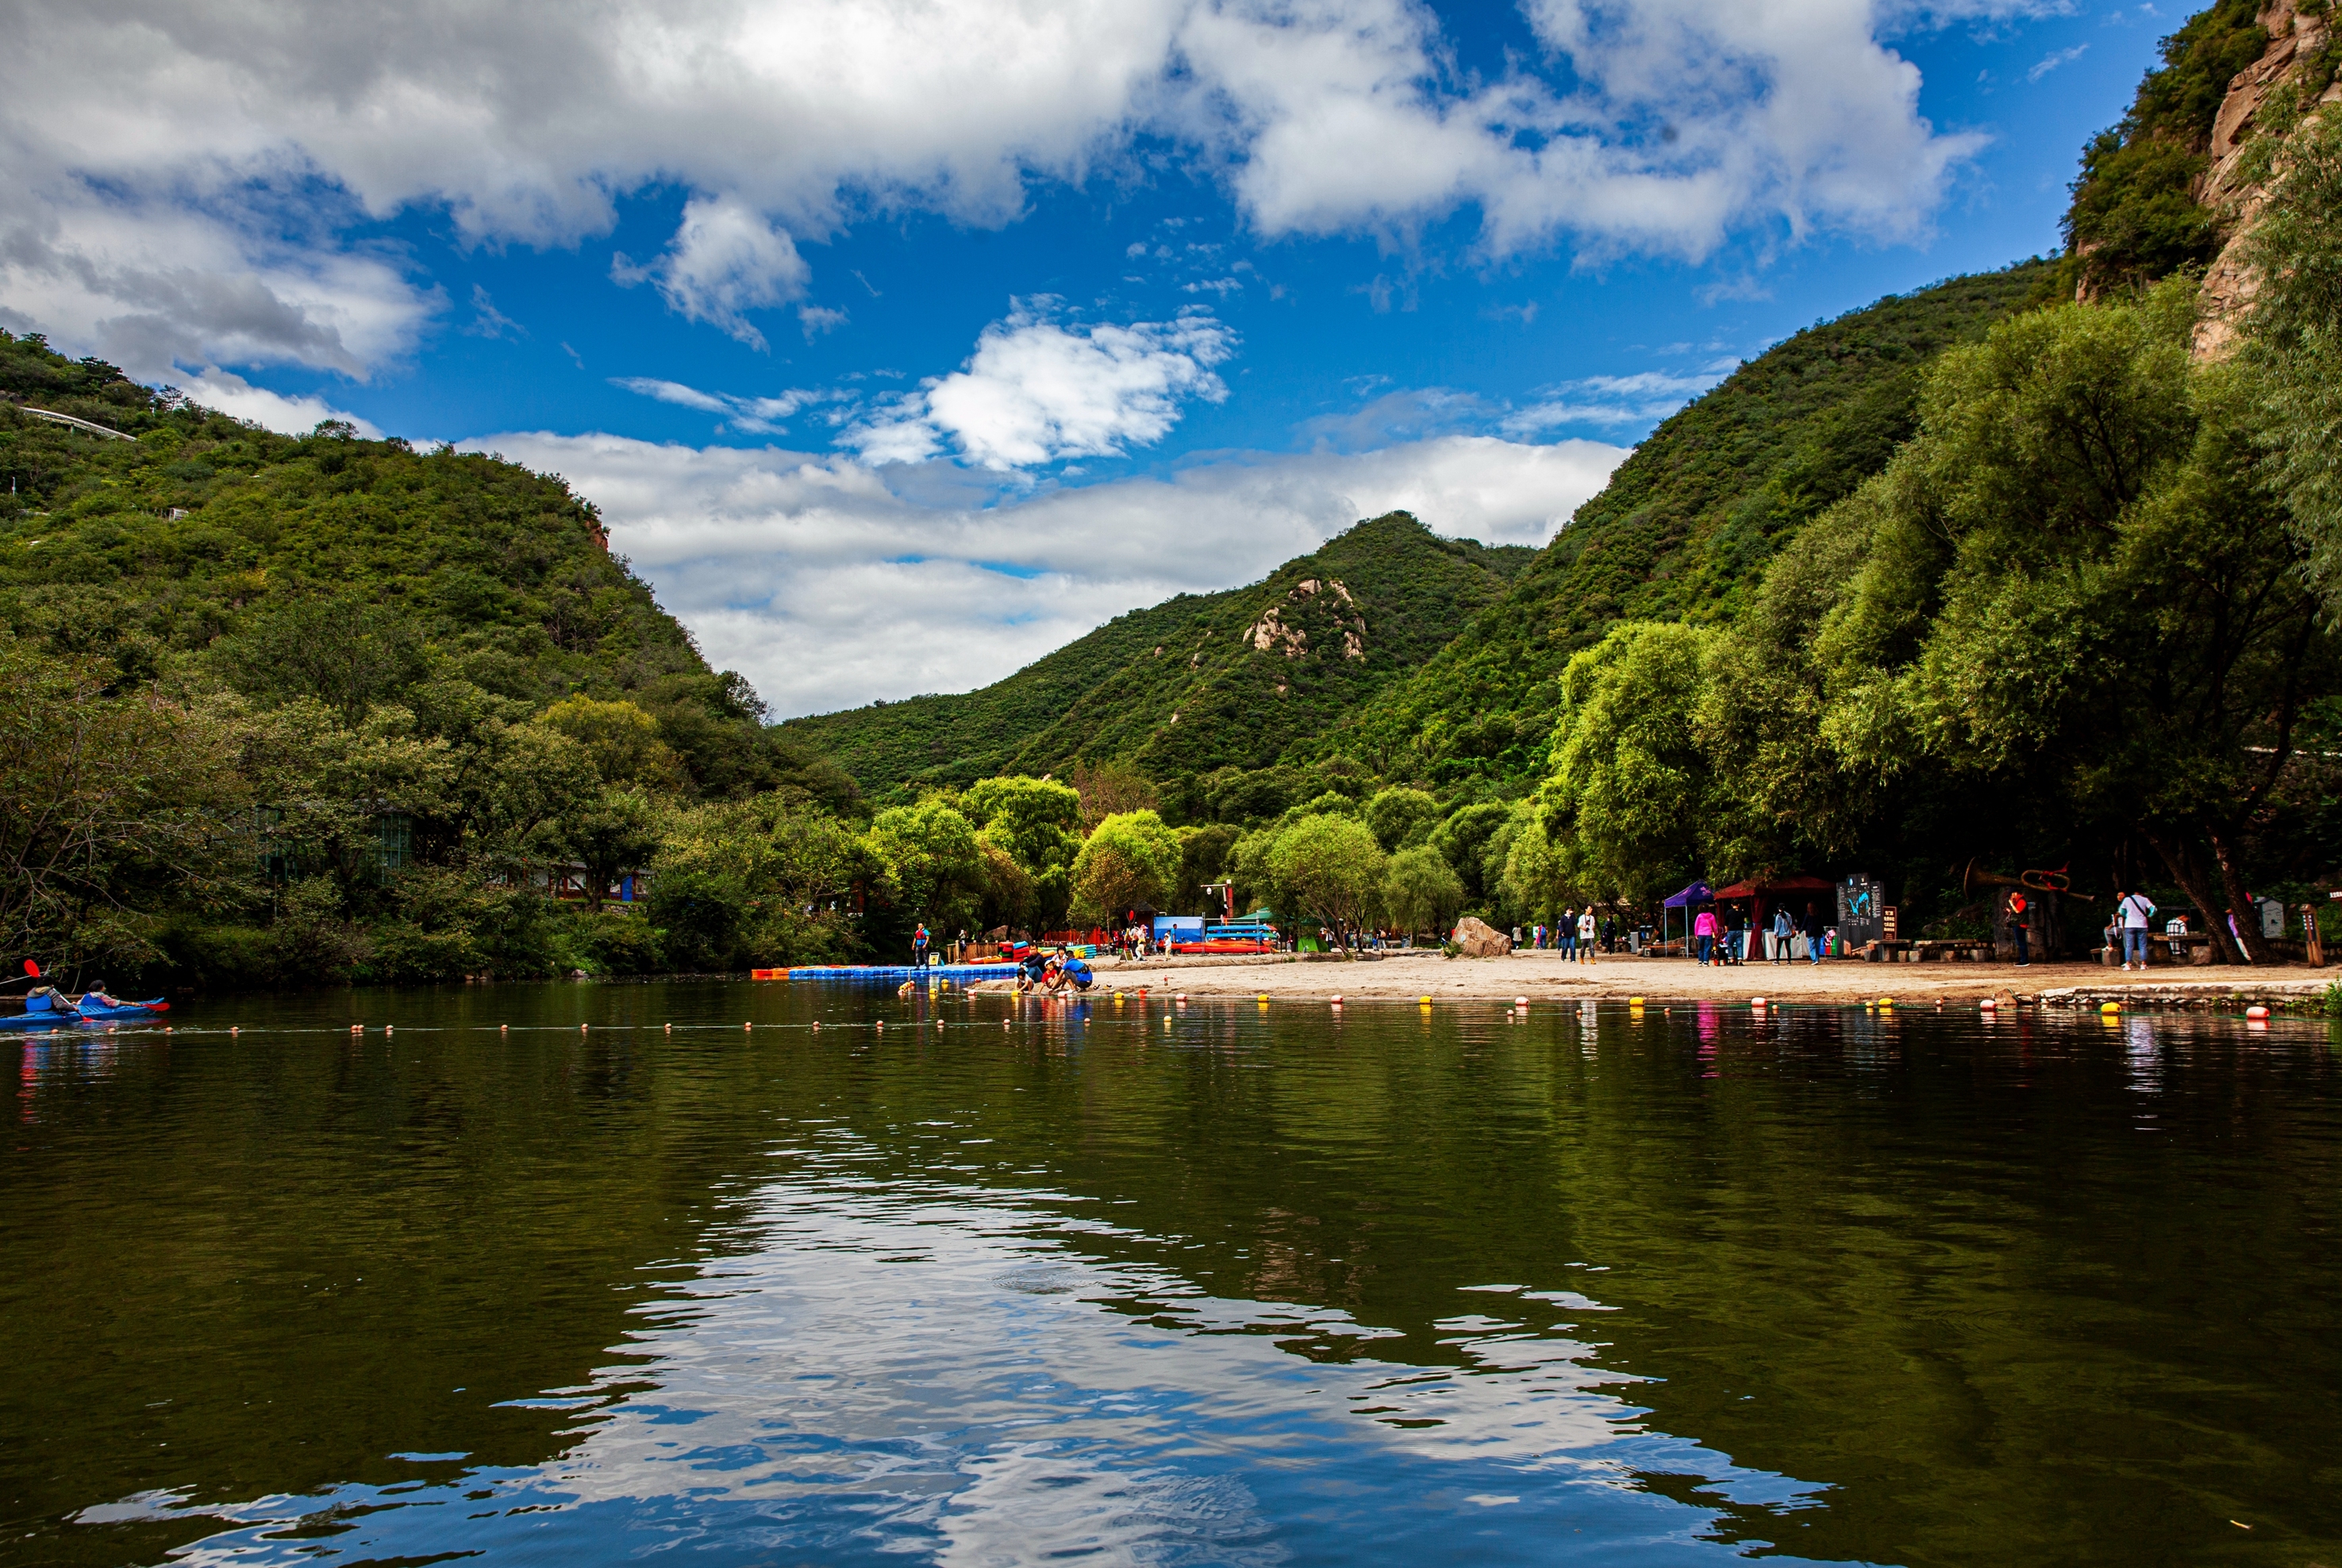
(54, 1007)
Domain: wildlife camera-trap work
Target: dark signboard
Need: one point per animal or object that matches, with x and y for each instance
(1861, 911)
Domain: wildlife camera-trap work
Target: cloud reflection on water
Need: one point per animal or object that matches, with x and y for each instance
(877, 1368)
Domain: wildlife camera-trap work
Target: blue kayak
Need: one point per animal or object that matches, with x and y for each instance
(88, 1009)
(42, 1013)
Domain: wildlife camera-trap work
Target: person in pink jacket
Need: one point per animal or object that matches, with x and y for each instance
(1704, 928)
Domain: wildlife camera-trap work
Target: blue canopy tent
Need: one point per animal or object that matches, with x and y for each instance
(1698, 893)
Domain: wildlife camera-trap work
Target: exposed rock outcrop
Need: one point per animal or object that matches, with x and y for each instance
(1272, 632)
(2296, 38)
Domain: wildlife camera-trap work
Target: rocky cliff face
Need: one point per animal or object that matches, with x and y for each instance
(2296, 38)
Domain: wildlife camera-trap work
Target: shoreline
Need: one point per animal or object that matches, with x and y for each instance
(1546, 977)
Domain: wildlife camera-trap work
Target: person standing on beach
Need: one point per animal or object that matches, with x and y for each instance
(1703, 929)
(1817, 934)
(2133, 912)
(2016, 927)
(919, 946)
(1586, 935)
(1783, 930)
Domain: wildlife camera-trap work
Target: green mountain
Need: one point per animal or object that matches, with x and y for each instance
(324, 566)
(1458, 645)
(1683, 528)
(1200, 682)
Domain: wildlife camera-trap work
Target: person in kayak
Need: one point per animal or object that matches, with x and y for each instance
(96, 994)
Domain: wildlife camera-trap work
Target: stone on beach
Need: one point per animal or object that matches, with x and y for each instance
(1476, 938)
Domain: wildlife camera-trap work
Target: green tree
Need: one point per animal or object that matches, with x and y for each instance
(1463, 839)
(338, 651)
(610, 833)
(929, 863)
(1421, 892)
(622, 741)
(2076, 600)
(1331, 868)
(1631, 786)
(1401, 817)
(1131, 859)
(112, 809)
(1034, 820)
(764, 881)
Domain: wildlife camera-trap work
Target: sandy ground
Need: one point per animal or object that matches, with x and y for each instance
(1547, 977)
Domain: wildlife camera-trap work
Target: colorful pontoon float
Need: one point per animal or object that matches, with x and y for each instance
(959, 974)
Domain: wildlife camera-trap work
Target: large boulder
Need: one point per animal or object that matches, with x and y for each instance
(1476, 938)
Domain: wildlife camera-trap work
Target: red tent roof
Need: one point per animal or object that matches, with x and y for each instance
(1798, 882)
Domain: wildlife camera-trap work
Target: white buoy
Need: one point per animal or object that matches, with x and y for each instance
(358, 1028)
(2256, 1012)
(504, 1028)
(751, 1025)
(1520, 1002)
(1756, 1002)
(670, 1028)
(1337, 1001)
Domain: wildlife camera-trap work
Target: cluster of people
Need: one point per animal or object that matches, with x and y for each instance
(1578, 936)
(1727, 938)
(1053, 973)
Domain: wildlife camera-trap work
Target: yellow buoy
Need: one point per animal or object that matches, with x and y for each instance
(1634, 1002)
(2110, 1006)
(1887, 1002)
(1424, 1000)
(1264, 996)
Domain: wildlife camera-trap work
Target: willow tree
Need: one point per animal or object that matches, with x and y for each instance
(2073, 594)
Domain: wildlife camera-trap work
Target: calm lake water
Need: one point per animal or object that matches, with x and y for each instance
(1228, 1285)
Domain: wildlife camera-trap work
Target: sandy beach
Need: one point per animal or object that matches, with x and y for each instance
(1547, 977)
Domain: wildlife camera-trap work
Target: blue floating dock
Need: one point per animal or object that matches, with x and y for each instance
(905, 972)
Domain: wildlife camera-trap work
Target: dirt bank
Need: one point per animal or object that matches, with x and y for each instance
(1545, 977)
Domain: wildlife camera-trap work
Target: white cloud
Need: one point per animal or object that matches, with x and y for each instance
(1643, 398)
(724, 260)
(231, 394)
(763, 415)
(829, 589)
(2049, 63)
(205, 216)
(1037, 392)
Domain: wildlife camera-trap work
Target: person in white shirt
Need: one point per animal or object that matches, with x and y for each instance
(2133, 913)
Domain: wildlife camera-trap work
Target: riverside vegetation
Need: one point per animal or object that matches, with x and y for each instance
(1987, 571)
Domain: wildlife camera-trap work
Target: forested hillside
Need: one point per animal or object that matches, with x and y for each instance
(1199, 683)
(252, 674)
(1686, 525)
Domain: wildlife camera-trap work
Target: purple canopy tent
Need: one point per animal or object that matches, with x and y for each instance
(1697, 893)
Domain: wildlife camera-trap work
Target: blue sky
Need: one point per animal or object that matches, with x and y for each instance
(902, 344)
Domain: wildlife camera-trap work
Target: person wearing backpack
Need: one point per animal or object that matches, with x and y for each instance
(2133, 913)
